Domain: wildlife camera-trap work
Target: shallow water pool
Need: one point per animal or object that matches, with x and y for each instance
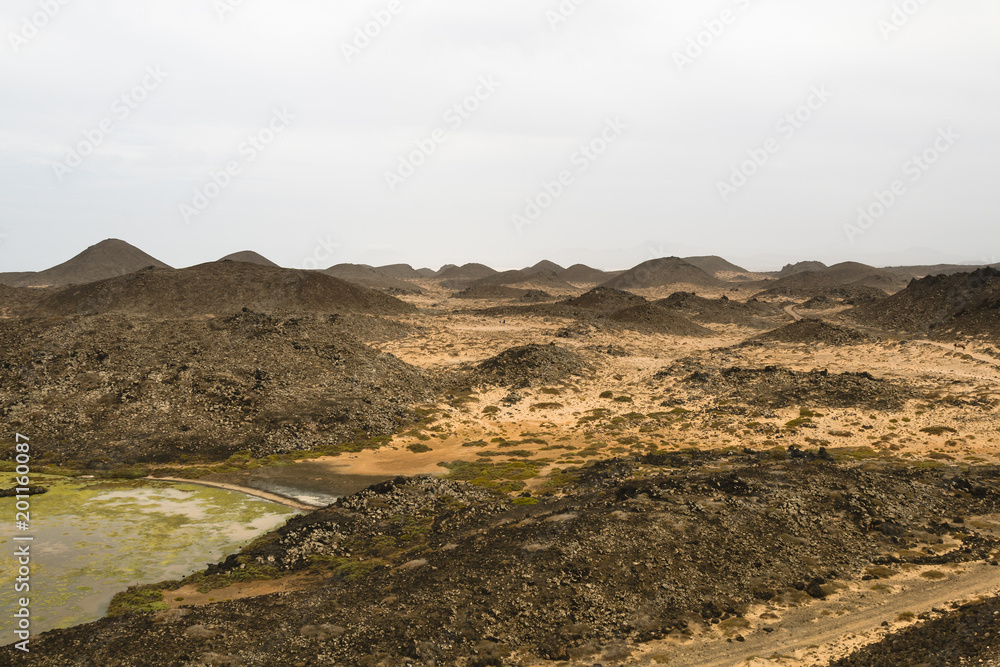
(95, 538)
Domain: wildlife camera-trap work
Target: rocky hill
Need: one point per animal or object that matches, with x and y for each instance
(662, 272)
(218, 288)
(631, 551)
(846, 274)
(109, 390)
(714, 265)
(107, 259)
(936, 302)
(250, 257)
(752, 313)
(360, 274)
(581, 274)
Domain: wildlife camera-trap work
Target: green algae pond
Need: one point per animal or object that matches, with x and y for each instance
(94, 538)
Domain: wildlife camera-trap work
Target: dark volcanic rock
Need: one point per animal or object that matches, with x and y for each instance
(967, 636)
(430, 572)
(815, 331)
(966, 302)
(108, 390)
(663, 271)
(528, 366)
(218, 288)
(777, 387)
(753, 313)
(604, 299)
(647, 317)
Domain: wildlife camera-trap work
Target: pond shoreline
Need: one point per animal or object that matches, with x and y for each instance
(273, 497)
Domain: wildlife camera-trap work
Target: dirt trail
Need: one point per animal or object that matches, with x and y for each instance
(827, 630)
(791, 311)
(951, 348)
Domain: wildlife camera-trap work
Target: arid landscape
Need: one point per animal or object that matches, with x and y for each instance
(684, 463)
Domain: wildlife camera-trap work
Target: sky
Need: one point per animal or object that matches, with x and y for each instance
(450, 131)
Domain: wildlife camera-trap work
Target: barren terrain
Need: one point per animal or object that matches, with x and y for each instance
(682, 474)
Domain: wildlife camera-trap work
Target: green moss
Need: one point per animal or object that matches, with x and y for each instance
(138, 600)
(350, 569)
(250, 570)
(500, 476)
(418, 448)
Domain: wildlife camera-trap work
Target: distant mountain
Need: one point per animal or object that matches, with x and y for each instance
(460, 277)
(446, 267)
(799, 267)
(250, 257)
(218, 288)
(465, 272)
(713, 265)
(581, 274)
(401, 271)
(107, 259)
(369, 277)
(921, 271)
(544, 278)
(811, 283)
(662, 272)
(501, 292)
(544, 265)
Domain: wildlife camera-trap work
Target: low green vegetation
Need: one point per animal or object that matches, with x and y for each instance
(138, 600)
(505, 477)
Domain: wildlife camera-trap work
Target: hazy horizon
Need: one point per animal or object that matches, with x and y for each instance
(438, 132)
(501, 267)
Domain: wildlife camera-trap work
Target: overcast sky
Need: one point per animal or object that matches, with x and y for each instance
(609, 134)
